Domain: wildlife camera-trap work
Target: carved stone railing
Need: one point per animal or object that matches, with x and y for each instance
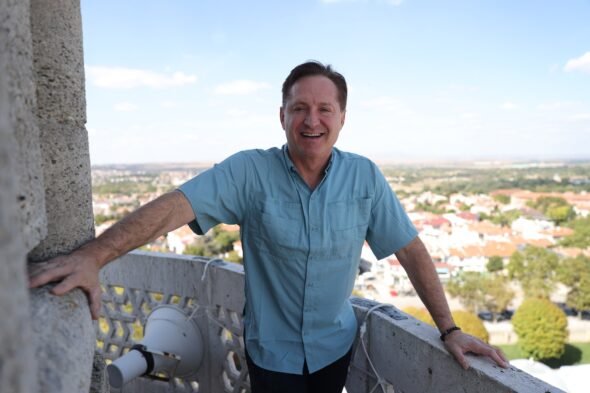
(406, 354)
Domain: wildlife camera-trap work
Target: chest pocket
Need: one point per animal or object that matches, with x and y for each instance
(350, 214)
(278, 225)
(349, 221)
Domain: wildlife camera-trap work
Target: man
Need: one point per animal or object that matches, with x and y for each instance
(304, 212)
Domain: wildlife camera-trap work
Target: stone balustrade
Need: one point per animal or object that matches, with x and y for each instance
(405, 354)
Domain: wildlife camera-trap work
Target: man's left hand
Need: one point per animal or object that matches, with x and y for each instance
(459, 343)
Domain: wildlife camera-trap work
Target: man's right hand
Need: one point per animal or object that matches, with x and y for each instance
(80, 268)
(75, 270)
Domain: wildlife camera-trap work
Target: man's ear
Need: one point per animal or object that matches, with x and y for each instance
(343, 118)
(282, 116)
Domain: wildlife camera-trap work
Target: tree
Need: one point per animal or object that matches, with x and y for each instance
(478, 292)
(501, 198)
(468, 287)
(575, 274)
(420, 314)
(541, 328)
(555, 208)
(581, 236)
(497, 294)
(534, 268)
(471, 324)
(560, 214)
(468, 322)
(495, 264)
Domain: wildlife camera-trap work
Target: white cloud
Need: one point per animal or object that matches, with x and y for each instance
(580, 117)
(509, 106)
(241, 87)
(169, 104)
(130, 78)
(382, 103)
(581, 64)
(125, 107)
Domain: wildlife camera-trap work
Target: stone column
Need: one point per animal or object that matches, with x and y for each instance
(63, 329)
(21, 219)
(61, 111)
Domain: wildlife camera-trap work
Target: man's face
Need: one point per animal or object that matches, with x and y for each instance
(312, 118)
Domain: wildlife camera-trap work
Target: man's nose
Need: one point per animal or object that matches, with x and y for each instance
(312, 118)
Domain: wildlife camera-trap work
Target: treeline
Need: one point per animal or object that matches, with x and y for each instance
(447, 181)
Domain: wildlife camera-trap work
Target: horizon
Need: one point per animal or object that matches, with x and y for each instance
(428, 81)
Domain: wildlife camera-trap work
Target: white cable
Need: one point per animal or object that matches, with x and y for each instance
(363, 330)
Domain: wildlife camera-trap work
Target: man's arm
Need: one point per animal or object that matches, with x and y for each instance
(416, 260)
(80, 268)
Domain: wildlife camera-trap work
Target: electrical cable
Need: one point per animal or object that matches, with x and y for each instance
(363, 330)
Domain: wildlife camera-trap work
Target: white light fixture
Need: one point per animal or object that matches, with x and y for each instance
(172, 344)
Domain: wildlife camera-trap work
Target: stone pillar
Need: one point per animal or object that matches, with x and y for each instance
(18, 53)
(22, 212)
(61, 111)
(63, 329)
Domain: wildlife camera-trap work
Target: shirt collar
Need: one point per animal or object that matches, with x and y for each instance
(292, 167)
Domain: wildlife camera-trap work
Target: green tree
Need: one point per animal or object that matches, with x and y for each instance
(420, 314)
(477, 291)
(233, 256)
(197, 249)
(575, 274)
(581, 236)
(555, 208)
(468, 288)
(560, 214)
(468, 322)
(471, 324)
(541, 328)
(501, 198)
(497, 294)
(504, 219)
(534, 268)
(495, 264)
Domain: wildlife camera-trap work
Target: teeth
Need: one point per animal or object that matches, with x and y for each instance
(308, 134)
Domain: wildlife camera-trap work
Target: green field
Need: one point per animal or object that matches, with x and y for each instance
(575, 353)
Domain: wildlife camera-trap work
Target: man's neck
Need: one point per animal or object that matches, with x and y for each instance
(311, 169)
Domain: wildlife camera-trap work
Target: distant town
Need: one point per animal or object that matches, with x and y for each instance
(475, 218)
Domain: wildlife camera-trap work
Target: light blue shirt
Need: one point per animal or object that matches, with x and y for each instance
(302, 247)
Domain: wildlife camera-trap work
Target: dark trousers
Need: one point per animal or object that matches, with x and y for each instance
(330, 379)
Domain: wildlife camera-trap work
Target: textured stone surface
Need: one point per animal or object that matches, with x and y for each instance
(16, 49)
(17, 362)
(410, 357)
(65, 339)
(61, 110)
(99, 383)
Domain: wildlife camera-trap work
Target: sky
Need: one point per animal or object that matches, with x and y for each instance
(429, 80)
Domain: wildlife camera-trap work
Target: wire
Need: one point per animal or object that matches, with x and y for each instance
(363, 330)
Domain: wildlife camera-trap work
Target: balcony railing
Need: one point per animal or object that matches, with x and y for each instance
(404, 355)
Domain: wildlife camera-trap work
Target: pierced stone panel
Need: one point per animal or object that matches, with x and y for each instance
(124, 313)
(235, 373)
(210, 291)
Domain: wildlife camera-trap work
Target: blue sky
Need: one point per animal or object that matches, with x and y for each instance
(195, 81)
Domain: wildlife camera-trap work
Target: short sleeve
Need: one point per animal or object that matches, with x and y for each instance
(390, 228)
(218, 194)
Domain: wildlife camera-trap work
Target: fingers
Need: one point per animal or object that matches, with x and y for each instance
(498, 356)
(464, 344)
(460, 357)
(70, 282)
(94, 299)
(44, 274)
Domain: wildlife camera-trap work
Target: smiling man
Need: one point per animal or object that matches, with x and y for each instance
(304, 212)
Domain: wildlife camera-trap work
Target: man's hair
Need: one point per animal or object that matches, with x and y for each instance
(313, 68)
